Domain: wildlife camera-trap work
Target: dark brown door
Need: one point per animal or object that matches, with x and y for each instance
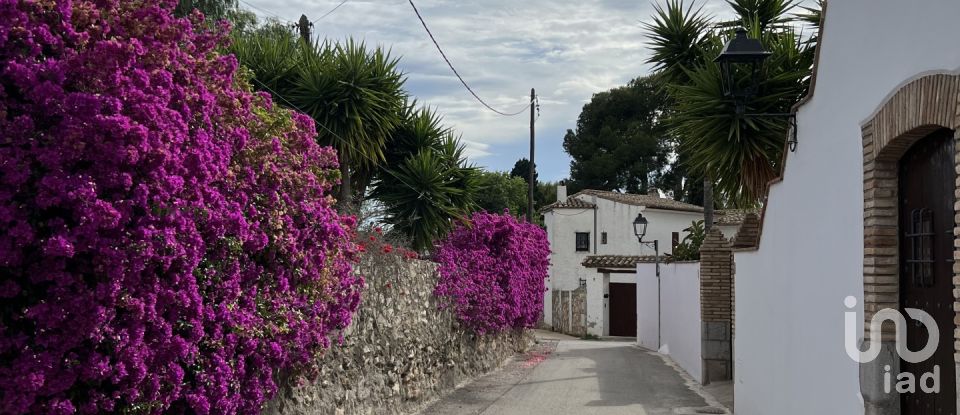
(927, 181)
(623, 309)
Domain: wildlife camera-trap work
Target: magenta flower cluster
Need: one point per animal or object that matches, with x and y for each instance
(167, 244)
(493, 271)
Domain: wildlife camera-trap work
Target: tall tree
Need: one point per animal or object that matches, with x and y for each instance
(354, 93)
(740, 153)
(619, 143)
(498, 191)
(521, 169)
(212, 9)
(425, 185)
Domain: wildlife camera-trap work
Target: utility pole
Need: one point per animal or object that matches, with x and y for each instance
(303, 26)
(532, 183)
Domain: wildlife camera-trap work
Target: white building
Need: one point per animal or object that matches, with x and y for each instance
(598, 225)
(876, 145)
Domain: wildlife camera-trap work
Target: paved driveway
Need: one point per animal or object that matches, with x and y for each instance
(571, 376)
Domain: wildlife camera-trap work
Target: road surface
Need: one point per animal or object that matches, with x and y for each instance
(571, 376)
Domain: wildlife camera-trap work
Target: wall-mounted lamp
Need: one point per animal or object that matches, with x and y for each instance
(742, 56)
(640, 229)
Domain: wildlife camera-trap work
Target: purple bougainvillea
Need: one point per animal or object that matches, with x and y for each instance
(166, 241)
(492, 272)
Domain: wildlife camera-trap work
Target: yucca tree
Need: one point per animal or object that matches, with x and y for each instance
(357, 97)
(426, 185)
(739, 153)
(354, 93)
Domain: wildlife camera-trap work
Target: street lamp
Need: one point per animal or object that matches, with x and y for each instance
(640, 230)
(744, 54)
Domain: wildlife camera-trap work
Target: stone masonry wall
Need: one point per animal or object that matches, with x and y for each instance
(570, 311)
(400, 351)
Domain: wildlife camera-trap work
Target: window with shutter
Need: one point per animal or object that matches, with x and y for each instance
(583, 241)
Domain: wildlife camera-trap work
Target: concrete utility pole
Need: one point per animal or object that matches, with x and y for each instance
(532, 183)
(303, 26)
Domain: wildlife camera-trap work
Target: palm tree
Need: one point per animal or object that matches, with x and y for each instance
(354, 94)
(740, 154)
(426, 185)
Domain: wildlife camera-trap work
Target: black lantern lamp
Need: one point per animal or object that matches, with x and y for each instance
(744, 54)
(640, 230)
(640, 227)
(741, 53)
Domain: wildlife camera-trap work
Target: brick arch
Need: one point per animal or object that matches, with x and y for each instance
(918, 108)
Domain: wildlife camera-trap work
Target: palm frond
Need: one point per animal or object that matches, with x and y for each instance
(676, 36)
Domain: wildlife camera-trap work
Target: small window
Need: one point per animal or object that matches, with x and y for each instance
(675, 237)
(583, 241)
(603, 238)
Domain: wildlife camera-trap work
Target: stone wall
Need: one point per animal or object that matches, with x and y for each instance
(570, 311)
(399, 353)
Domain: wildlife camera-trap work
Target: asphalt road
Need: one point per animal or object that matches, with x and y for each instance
(572, 376)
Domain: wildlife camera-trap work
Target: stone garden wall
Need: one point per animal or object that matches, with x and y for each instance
(399, 353)
(570, 311)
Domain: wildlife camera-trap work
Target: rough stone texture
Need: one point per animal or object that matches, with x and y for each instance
(877, 401)
(400, 352)
(716, 307)
(570, 312)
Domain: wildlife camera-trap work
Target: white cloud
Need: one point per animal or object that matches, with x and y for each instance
(567, 50)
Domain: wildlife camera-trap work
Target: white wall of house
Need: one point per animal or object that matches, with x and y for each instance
(598, 303)
(565, 269)
(679, 313)
(789, 353)
(616, 220)
(648, 318)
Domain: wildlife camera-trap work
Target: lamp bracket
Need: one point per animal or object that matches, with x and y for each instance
(791, 118)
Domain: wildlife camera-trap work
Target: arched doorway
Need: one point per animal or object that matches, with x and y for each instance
(927, 181)
(909, 190)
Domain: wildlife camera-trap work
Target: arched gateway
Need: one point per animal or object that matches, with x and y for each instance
(910, 232)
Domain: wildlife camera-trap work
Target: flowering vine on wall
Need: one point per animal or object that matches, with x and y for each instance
(492, 272)
(167, 244)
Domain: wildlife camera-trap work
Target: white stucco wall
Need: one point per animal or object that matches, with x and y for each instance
(679, 319)
(616, 219)
(648, 318)
(789, 353)
(565, 269)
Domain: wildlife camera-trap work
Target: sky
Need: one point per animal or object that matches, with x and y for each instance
(566, 50)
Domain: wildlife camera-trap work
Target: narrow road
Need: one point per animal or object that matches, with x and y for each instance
(572, 376)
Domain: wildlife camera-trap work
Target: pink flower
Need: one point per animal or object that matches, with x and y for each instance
(492, 274)
(158, 225)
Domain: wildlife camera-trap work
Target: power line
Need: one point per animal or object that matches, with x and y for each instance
(345, 142)
(292, 105)
(262, 10)
(331, 11)
(444, 55)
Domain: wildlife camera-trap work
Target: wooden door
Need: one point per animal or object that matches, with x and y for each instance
(927, 181)
(623, 309)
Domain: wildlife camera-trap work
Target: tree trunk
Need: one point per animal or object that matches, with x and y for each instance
(346, 192)
(707, 203)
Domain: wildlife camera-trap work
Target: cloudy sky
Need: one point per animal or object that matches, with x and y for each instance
(568, 50)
